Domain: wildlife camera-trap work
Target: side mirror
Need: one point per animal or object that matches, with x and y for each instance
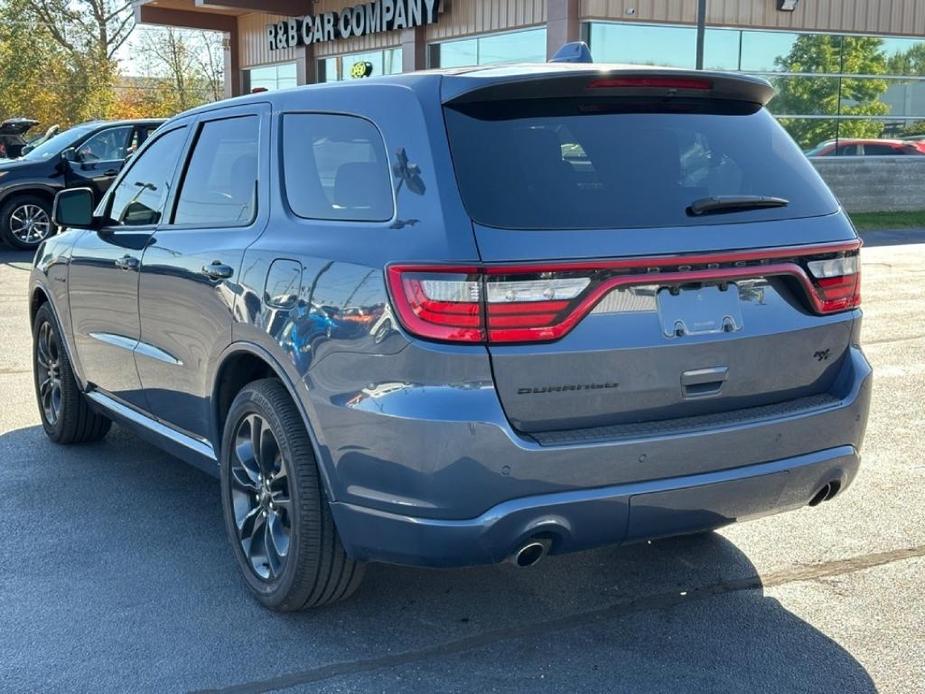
(74, 208)
(70, 155)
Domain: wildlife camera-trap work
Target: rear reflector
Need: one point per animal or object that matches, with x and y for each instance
(652, 83)
(530, 303)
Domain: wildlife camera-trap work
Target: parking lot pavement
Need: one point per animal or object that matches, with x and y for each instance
(115, 574)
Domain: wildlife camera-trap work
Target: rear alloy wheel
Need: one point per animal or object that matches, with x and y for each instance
(276, 516)
(66, 415)
(261, 497)
(25, 222)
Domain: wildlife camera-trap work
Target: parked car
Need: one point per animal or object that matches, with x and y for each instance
(516, 357)
(12, 136)
(869, 148)
(90, 154)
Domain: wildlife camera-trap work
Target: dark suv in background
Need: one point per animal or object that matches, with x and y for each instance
(463, 316)
(90, 154)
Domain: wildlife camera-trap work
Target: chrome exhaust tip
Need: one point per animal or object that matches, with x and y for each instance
(531, 553)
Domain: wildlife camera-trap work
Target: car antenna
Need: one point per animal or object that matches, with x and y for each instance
(573, 52)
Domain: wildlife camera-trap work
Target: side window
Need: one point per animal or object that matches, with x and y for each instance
(140, 196)
(881, 150)
(336, 168)
(220, 185)
(139, 137)
(108, 145)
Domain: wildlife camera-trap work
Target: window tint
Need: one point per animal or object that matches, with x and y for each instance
(882, 150)
(108, 145)
(336, 168)
(617, 163)
(140, 196)
(220, 185)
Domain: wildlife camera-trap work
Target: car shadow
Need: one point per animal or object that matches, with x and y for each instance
(20, 260)
(121, 574)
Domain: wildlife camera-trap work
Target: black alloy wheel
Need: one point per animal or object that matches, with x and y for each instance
(66, 415)
(277, 517)
(261, 497)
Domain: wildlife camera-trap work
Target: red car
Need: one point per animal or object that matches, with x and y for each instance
(868, 148)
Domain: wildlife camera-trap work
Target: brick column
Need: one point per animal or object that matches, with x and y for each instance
(413, 49)
(562, 24)
(307, 66)
(233, 76)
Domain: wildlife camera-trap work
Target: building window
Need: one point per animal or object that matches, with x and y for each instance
(272, 77)
(528, 46)
(830, 87)
(385, 62)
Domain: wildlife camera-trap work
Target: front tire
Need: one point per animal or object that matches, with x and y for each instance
(25, 221)
(276, 516)
(66, 415)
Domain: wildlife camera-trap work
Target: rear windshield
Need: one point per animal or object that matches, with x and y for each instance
(619, 163)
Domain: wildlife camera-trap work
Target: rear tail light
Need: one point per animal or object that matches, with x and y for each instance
(837, 282)
(529, 303)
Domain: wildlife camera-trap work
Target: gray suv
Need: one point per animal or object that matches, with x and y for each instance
(466, 316)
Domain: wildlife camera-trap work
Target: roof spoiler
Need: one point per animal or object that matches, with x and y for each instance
(573, 52)
(560, 80)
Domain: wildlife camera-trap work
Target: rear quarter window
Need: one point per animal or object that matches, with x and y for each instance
(336, 168)
(618, 163)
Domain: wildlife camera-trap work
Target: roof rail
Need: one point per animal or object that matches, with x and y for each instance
(573, 52)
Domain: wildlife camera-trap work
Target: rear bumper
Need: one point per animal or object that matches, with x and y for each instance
(436, 477)
(589, 518)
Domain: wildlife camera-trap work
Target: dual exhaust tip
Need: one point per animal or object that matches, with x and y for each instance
(530, 553)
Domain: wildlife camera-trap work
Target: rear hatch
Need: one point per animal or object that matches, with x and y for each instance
(654, 247)
(11, 135)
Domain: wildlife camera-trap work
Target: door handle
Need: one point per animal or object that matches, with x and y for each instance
(217, 270)
(111, 172)
(127, 263)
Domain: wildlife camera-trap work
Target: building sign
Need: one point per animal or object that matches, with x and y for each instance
(359, 20)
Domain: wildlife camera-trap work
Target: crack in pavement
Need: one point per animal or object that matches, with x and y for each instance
(891, 340)
(811, 572)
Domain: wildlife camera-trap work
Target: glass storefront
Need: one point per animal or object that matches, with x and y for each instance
(527, 46)
(384, 62)
(272, 77)
(830, 86)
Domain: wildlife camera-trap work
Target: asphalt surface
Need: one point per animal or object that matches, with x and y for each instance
(115, 574)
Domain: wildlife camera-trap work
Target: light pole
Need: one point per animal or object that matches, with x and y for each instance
(701, 30)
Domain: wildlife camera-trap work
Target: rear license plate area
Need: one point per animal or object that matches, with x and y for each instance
(701, 310)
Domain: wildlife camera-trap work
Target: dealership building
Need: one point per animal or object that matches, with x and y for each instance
(842, 67)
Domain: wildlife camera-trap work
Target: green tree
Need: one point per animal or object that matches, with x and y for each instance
(89, 32)
(846, 96)
(34, 70)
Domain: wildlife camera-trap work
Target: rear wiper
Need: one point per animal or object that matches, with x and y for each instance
(733, 203)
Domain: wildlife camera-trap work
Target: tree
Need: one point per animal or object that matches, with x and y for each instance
(183, 66)
(90, 32)
(845, 96)
(33, 70)
(91, 28)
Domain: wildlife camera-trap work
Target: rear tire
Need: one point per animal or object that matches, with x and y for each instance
(277, 519)
(25, 221)
(66, 415)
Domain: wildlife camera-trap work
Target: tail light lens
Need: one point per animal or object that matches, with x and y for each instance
(440, 306)
(491, 304)
(837, 282)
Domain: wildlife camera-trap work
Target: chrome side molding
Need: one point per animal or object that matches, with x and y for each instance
(163, 432)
